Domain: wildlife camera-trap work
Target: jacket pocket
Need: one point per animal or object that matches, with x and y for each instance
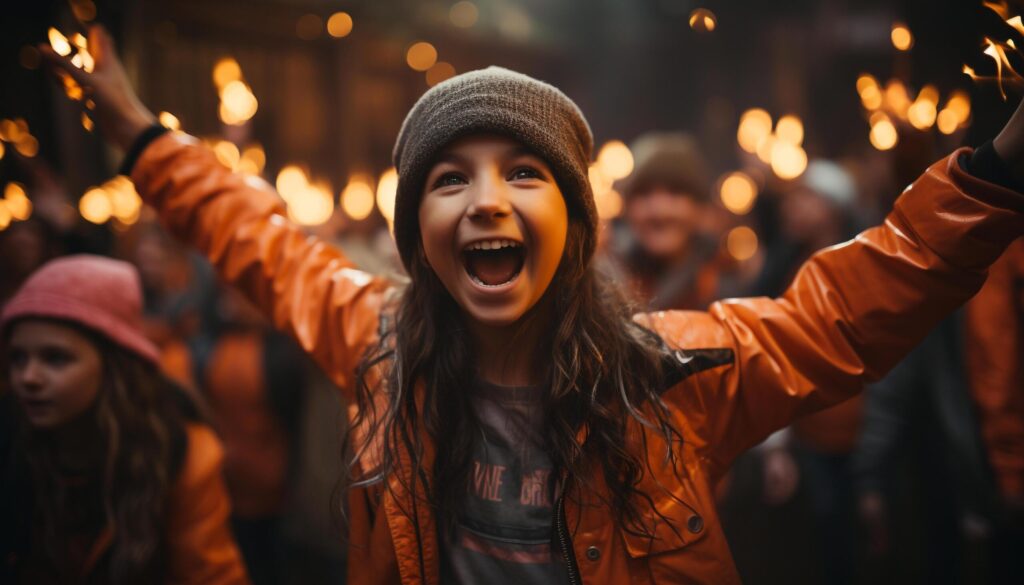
(674, 517)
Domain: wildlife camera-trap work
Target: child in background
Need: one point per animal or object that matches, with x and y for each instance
(108, 473)
(512, 422)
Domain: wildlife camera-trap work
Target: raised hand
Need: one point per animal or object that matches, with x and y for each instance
(118, 114)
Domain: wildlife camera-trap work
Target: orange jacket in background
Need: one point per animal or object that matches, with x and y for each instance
(994, 343)
(745, 368)
(200, 547)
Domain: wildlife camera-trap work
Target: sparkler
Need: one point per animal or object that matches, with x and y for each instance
(997, 51)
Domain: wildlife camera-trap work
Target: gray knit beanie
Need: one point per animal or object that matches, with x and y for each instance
(493, 101)
(668, 159)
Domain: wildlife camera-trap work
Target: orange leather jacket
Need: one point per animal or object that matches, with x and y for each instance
(994, 343)
(746, 367)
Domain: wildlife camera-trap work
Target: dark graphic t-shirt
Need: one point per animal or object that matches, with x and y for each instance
(504, 529)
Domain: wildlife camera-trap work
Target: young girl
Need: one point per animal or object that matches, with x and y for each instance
(106, 473)
(512, 423)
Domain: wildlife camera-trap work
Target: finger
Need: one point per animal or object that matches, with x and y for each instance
(102, 44)
(59, 63)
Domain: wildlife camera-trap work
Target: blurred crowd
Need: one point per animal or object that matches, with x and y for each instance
(920, 480)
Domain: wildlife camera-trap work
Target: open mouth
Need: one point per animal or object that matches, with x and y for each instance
(494, 262)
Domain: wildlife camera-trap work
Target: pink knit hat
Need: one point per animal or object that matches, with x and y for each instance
(98, 293)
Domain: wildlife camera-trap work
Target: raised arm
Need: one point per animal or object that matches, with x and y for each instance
(853, 311)
(304, 286)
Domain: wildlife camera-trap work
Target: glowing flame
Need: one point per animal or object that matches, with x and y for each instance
(59, 42)
(357, 199)
(738, 192)
(5, 216)
(615, 160)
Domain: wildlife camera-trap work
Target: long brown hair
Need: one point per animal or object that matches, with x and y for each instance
(139, 444)
(604, 372)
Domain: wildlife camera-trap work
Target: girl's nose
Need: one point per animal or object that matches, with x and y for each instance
(30, 375)
(490, 201)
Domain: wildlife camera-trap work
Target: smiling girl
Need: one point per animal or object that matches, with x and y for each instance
(107, 473)
(511, 421)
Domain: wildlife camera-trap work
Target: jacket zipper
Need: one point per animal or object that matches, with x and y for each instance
(565, 541)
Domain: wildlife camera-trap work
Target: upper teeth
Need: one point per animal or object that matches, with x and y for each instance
(492, 244)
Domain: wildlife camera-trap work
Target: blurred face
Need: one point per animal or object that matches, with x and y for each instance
(493, 225)
(805, 215)
(663, 221)
(55, 372)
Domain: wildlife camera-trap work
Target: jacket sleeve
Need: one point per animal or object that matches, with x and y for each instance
(304, 286)
(994, 335)
(201, 549)
(852, 312)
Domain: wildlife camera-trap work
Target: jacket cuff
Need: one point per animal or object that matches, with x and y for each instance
(135, 151)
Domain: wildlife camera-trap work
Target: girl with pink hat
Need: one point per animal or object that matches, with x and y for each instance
(109, 473)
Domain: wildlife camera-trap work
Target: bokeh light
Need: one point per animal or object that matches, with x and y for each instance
(441, 71)
(95, 206)
(464, 14)
(17, 202)
(357, 199)
(788, 161)
(615, 160)
(387, 189)
(755, 125)
(703, 20)
(883, 135)
(738, 192)
(741, 243)
(169, 120)
(225, 71)
(902, 39)
(790, 129)
(421, 56)
(339, 25)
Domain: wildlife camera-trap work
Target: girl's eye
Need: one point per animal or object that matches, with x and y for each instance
(523, 173)
(448, 179)
(56, 357)
(17, 358)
